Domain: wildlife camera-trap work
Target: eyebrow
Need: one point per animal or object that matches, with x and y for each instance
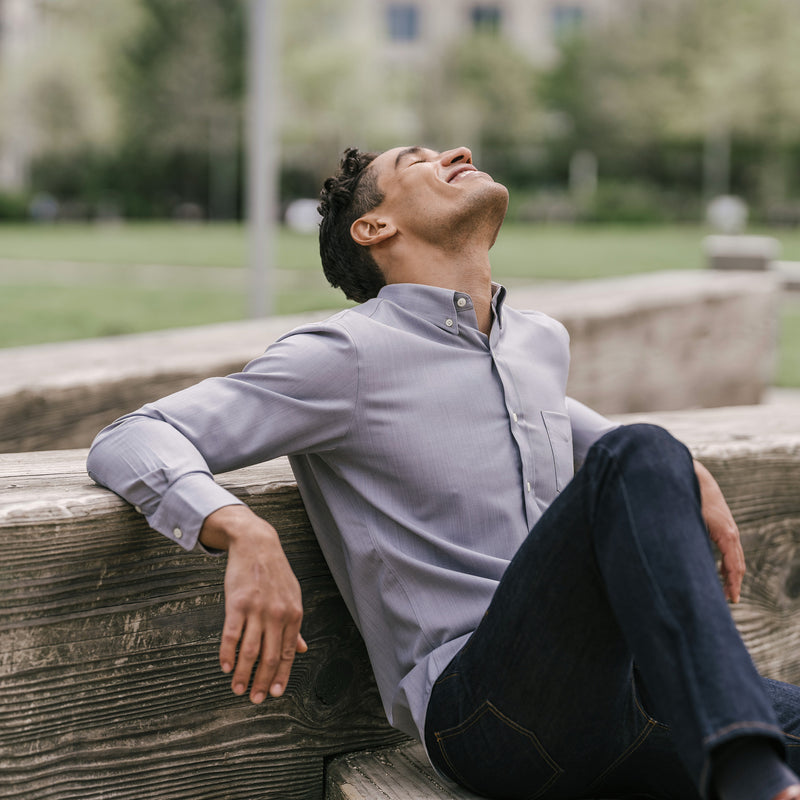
(409, 151)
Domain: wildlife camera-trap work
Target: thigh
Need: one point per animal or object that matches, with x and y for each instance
(541, 699)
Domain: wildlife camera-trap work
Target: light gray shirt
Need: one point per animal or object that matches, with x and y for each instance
(424, 452)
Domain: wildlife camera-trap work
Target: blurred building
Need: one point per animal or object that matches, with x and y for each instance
(414, 30)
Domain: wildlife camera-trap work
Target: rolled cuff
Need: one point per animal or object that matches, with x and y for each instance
(738, 730)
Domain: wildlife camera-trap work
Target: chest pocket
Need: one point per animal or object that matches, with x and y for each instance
(559, 433)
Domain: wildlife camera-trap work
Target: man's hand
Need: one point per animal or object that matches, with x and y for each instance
(723, 532)
(263, 605)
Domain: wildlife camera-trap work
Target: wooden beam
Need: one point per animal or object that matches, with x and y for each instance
(108, 652)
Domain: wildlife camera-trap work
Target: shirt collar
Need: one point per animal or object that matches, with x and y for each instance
(498, 301)
(443, 307)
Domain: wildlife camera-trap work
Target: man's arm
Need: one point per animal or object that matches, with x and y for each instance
(723, 531)
(299, 397)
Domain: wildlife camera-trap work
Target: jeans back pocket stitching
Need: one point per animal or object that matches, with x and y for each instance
(473, 719)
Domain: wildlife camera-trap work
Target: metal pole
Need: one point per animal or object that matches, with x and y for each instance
(262, 150)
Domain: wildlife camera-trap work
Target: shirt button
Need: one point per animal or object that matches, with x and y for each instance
(137, 509)
(177, 533)
(528, 485)
(515, 417)
(461, 302)
(448, 322)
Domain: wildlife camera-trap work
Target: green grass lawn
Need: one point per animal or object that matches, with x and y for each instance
(34, 309)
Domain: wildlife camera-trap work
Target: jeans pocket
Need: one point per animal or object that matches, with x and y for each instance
(492, 755)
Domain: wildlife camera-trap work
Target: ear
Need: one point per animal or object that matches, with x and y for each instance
(372, 229)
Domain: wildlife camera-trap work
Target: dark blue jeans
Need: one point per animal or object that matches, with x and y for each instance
(607, 664)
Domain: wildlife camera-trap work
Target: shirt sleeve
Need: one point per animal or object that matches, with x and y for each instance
(298, 397)
(587, 427)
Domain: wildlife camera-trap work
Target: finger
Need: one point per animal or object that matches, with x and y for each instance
(249, 651)
(231, 634)
(288, 650)
(261, 678)
(302, 646)
(734, 573)
(732, 567)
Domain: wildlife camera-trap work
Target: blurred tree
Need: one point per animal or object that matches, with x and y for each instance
(484, 91)
(55, 97)
(180, 82)
(330, 99)
(709, 72)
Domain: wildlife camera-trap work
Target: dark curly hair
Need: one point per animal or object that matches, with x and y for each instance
(347, 195)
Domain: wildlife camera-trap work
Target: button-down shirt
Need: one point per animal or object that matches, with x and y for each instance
(424, 452)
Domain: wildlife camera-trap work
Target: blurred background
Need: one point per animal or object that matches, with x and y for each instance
(614, 123)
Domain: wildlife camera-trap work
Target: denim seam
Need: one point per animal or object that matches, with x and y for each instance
(489, 707)
(443, 678)
(630, 750)
(709, 740)
(642, 710)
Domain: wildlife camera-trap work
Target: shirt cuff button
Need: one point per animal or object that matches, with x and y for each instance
(177, 533)
(137, 509)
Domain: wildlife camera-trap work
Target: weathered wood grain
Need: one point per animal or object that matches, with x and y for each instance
(109, 678)
(401, 773)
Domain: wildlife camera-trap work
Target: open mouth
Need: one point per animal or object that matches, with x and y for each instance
(460, 172)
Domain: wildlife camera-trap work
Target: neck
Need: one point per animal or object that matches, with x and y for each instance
(465, 271)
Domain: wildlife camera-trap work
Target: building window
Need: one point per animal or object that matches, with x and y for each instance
(486, 18)
(566, 20)
(403, 22)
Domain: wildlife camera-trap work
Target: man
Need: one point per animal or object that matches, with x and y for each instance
(544, 635)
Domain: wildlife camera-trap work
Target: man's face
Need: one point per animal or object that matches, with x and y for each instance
(431, 192)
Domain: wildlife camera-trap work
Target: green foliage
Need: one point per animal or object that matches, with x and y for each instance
(13, 206)
(180, 71)
(485, 95)
(142, 109)
(716, 74)
(638, 202)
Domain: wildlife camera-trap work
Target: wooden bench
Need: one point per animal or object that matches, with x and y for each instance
(631, 339)
(109, 636)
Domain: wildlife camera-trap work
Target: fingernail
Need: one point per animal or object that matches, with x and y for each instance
(259, 698)
(226, 667)
(276, 690)
(239, 688)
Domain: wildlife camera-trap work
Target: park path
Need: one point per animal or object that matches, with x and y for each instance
(76, 273)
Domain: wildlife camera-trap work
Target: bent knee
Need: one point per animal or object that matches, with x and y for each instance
(652, 443)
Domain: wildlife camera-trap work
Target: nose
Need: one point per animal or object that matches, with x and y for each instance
(456, 155)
